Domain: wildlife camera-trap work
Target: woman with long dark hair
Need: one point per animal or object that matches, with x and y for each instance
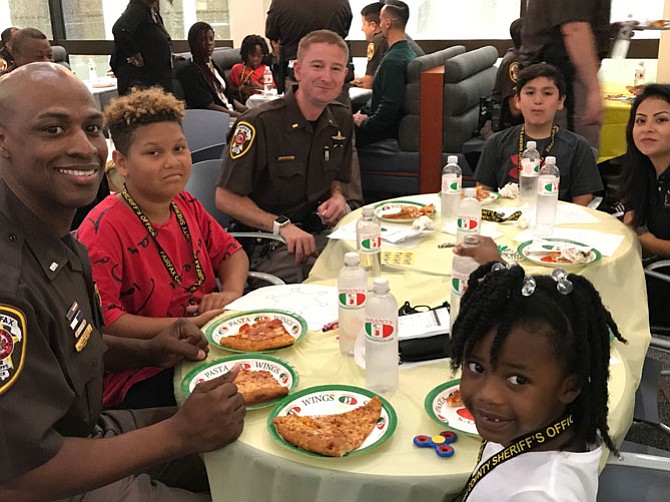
(202, 79)
(646, 188)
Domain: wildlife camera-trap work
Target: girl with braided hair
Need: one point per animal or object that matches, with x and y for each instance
(534, 353)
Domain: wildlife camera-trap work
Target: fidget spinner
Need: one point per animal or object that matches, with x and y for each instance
(440, 442)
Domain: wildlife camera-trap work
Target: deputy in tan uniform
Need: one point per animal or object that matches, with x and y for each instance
(52, 352)
(287, 161)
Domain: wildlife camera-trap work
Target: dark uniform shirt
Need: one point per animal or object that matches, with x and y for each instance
(141, 30)
(504, 88)
(285, 163)
(50, 347)
(290, 20)
(388, 95)
(499, 162)
(377, 48)
(658, 212)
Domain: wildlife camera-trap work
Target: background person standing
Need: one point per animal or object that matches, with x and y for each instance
(142, 54)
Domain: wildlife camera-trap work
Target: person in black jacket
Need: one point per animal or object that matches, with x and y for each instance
(202, 79)
(142, 54)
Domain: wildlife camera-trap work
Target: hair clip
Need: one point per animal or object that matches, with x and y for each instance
(528, 287)
(497, 266)
(564, 285)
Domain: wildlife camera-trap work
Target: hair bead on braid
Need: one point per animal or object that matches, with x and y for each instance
(565, 308)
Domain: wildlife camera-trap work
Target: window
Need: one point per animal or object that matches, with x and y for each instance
(22, 14)
(451, 19)
(93, 20)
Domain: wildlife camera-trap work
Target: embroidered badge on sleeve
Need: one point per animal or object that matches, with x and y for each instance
(12, 345)
(514, 69)
(371, 50)
(242, 140)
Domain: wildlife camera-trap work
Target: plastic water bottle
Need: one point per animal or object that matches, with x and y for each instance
(352, 289)
(469, 219)
(92, 73)
(547, 198)
(529, 171)
(369, 242)
(267, 80)
(461, 268)
(450, 196)
(381, 338)
(640, 74)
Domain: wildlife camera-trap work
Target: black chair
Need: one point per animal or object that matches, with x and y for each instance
(202, 185)
(205, 132)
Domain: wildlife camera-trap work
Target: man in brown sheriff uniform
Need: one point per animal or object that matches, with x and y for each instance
(52, 353)
(287, 160)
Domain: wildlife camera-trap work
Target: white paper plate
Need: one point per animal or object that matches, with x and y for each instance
(283, 372)
(331, 400)
(229, 325)
(458, 418)
(552, 245)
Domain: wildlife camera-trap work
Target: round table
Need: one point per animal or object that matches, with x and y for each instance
(256, 468)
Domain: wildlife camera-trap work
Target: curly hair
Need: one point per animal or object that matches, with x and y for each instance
(577, 326)
(138, 108)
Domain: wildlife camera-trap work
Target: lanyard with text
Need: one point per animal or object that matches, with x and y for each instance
(521, 445)
(169, 266)
(522, 135)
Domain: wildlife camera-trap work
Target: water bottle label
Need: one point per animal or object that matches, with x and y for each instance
(467, 224)
(530, 167)
(379, 330)
(350, 299)
(451, 183)
(370, 243)
(548, 185)
(459, 283)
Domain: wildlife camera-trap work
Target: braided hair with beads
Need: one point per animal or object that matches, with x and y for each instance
(575, 322)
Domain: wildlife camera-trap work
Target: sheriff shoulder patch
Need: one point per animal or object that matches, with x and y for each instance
(514, 71)
(371, 50)
(12, 345)
(242, 140)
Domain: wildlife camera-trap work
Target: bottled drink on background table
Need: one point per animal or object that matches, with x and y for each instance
(381, 338)
(469, 220)
(450, 194)
(461, 268)
(369, 242)
(529, 170)
(640, 74)
(267, 80)
(352, 290)
(92, 72)
(547, 198)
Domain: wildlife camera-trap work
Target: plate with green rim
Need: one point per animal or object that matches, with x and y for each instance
(331, 400)
(229, 324)
(386, 210)
(553, 246)
(454, 416)
(282, 371)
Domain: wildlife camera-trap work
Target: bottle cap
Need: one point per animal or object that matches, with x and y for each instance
(550, 160)
(531, 144)
(471, 192)
(368, 211)
(352, 259)
(380, 285)
(452, 159)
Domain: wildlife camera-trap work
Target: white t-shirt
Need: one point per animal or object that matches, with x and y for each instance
(556, 476)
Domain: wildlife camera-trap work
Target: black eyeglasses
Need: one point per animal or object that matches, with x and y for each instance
(406, 308)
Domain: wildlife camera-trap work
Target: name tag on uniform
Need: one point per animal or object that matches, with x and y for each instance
(285, 157)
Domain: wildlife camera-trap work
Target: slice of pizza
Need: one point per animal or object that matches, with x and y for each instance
(262, 335)
(330, 435)
(258, 386)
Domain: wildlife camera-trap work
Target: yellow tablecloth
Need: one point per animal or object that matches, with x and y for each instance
(613, 128)
(255, 468)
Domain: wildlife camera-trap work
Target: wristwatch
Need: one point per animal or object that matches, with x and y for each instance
(280, 221)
